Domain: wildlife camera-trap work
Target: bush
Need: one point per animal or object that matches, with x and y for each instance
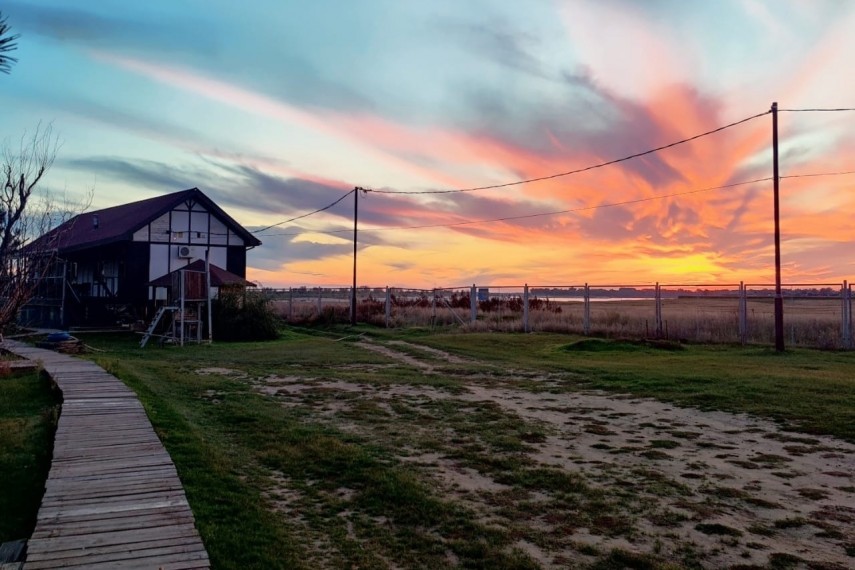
(240, 317)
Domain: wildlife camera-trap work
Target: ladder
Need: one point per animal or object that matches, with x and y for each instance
(150, 330)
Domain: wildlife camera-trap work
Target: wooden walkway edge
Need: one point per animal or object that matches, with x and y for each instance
(113, 498)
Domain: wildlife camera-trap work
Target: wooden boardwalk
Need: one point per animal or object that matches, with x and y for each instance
(113, 498)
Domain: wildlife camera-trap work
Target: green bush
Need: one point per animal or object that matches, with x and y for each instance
(241, 317)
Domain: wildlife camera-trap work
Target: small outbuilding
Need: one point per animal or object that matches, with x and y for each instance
(113, 266)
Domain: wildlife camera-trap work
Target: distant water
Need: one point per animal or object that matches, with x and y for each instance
(597, 299)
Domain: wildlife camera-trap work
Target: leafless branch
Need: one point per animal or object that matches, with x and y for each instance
(27, 212)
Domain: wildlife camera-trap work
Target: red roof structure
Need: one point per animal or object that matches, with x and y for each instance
(119, 223)
(219, 276)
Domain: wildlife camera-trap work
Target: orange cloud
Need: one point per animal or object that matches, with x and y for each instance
(716, 235)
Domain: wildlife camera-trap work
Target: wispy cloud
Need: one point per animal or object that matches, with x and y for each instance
(87, 28)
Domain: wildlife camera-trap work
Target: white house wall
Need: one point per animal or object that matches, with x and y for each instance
(158, 263)
(190, 225)
(219, 232)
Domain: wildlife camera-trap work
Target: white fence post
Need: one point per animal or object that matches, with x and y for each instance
(290, 304)
(846, 313)
(473, 304)
(586, 315)
(526, 323)
(658, 311)
(743, 313)
(388, 306)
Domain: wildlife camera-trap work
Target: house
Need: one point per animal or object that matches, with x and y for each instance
(113, 265)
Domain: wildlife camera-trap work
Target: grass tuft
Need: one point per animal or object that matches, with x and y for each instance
(29, 408)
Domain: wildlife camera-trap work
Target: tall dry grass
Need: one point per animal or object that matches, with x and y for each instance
(807, 322)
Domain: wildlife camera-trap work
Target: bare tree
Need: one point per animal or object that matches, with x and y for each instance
(7, 44)
(27, 249)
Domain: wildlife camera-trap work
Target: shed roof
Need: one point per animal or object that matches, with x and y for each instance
(219, 276)
(120, 222)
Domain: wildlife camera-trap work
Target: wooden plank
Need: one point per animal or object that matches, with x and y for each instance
(72, 526)
(93, 467)
(69, 525)
(132, 496)
(107, 441)
(107, 509)
(64, 483)
(139, 560)
(107, 452)
(111, 542)
(71, 489)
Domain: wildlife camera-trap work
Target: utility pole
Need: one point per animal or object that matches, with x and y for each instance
(779, 299)
(356, 191)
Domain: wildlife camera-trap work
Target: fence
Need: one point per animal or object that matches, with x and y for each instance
(815, 314)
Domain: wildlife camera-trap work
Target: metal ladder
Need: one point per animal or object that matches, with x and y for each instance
(150, 330)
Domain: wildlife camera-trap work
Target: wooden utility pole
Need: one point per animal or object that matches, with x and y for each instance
(353, 290)
(779, 299)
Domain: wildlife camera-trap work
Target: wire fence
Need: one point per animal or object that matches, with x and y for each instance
(815, 314)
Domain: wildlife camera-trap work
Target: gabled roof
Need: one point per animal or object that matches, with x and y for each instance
(120, 222)
(219, 276)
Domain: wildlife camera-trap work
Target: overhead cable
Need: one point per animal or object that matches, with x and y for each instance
(578, 170)
(816, 110)
(294, 219)
(568, 211)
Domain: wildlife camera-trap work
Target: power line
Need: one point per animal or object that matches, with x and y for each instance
(294, 219)
(578, 170)
(557, 175)
(819, 174)
(580, 209)
(572, 210)
(817, 110)
(518, 182)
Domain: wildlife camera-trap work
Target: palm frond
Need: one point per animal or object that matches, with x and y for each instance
(7, 44)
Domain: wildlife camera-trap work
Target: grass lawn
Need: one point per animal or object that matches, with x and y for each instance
(28, 412)
(496, 451)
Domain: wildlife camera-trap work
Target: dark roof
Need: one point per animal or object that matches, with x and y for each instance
(219, 276)
(120, 222)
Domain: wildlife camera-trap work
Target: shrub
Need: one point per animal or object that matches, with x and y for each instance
(240, 317)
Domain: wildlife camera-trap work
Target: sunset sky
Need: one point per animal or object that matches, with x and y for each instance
(276, 108)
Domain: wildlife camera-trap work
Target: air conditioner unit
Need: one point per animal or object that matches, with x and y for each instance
(187, 252)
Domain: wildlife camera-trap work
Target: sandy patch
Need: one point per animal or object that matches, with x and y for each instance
(435, 352)
(221, 371)
(399, 356)
(733, 488)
